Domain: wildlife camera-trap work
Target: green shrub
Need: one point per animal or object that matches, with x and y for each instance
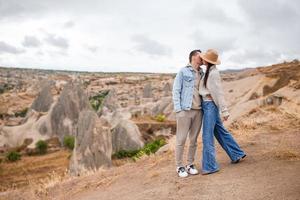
(41, 146)
(97, 100)
(8, 86)
(86, 83)
(13, 156)
(125, 154)
(152, 147)
(21, 113)
(5, 87)
(148, 149)
(69, 141)
(160, 118)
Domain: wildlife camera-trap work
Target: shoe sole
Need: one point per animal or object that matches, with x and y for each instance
(183, 176)
(239, 160)
(193, 174)
(210, 172)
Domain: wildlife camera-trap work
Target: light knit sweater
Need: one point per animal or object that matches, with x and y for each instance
(215, 89)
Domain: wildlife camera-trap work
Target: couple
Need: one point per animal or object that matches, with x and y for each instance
(198, 96)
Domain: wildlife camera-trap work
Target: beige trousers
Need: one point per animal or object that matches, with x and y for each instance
(188, 123)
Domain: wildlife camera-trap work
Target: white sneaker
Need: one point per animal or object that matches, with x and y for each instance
(182, 172)
(191, 169)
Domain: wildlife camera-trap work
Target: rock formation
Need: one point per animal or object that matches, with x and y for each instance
(147, 92)
(126, 136)
(65, 113)
(93, 144)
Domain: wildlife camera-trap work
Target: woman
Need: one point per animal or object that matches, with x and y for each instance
(214, 107)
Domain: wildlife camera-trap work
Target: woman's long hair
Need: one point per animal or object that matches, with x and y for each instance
(207, 73)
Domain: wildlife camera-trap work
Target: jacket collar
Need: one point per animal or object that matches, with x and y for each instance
(189, 66)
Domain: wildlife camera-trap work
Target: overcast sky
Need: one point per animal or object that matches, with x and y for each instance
(147, 36)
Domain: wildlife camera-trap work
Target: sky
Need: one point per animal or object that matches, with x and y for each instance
(146, 36)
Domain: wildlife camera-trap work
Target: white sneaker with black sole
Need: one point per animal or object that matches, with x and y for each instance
(191, 169)
(182, 172)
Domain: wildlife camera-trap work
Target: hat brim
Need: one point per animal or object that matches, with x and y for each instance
(202, 55)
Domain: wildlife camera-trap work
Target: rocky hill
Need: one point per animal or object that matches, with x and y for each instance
(109, 114)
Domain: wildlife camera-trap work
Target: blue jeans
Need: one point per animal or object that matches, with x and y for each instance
(213, 126)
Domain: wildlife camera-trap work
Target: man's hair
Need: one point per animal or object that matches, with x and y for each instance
(194, 52)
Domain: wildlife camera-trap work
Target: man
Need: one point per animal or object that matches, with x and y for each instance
(187, 105)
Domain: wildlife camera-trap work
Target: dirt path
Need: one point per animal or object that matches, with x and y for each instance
(271, 171)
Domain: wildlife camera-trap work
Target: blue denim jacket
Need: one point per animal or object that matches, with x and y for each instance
(183, 88)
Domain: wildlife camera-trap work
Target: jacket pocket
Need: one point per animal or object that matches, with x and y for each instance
(187, 81)
(187, 78)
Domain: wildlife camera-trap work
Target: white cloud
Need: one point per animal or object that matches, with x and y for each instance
(57, 41)
(128, 35)
(31, 41)
(7, 48)
(150, 46)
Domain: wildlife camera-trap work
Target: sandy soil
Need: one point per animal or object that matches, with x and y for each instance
(270, 171)
(33, 170)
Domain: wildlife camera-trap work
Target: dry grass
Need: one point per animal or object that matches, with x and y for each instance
(286, 154)
(269, 118)
(34, 170)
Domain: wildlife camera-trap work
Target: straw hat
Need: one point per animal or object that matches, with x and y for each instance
(211, 56)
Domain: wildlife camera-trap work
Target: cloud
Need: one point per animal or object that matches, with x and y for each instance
(14, 9)
(150, 46)
(273, 23)
(31, 41)
(92, 48)
(22, 10)
(69, 24)
(221, 43)
(255, 55)
(7, 48)
(244, 33)
(57, 41)
(203, 11)
(271, 14)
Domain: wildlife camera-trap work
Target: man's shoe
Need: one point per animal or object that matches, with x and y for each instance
(182, 172)
(191, 169)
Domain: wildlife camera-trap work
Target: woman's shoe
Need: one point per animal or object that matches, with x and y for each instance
(206, 173)
(238, 160)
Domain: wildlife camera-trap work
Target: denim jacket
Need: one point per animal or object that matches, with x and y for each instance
(183, 88)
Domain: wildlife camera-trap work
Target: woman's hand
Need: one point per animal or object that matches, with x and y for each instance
(225, 117)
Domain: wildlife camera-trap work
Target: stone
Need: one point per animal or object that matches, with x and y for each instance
(167, 89)
(273, 100)
(126, 136)
(93, 144)
(44, 99)
(161, 105)
(147, 91)
(111, 101)
(64, 116)
(163, 149)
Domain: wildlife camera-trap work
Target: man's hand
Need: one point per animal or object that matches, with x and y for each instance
(180, 113)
